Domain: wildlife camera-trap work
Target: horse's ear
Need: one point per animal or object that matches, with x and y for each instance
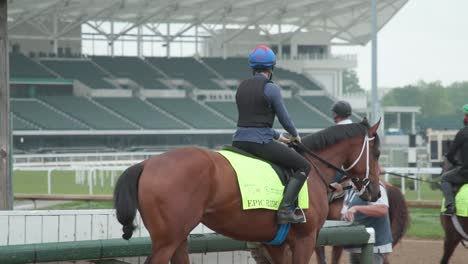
(373, 130)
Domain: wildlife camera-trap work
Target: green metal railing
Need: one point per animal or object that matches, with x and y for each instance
(202, 243)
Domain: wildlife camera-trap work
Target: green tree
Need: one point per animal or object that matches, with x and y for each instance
(435, 100)
(458, 95)
(351, 82)
(405, 96)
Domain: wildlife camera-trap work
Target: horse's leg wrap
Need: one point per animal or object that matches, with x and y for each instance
(285, 213)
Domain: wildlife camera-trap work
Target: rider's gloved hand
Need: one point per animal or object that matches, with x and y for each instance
(284, 139)
(296, 139)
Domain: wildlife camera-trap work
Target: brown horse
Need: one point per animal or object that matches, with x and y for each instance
(452, 236)
(179, 189)
(398, 214)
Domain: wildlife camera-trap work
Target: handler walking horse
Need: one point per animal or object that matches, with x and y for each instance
(398, 214)
(179, 189)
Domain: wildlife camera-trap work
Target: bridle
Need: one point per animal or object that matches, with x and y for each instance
(364, 182)
(359, 184)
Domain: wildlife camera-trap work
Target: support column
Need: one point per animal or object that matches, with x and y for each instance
(6, 183)
(139, 41)
(110, 44)
(168, 42)
(224, 39)
(280, 45)
(55, 29)
(375, 97)
(398, 120)
(413, 123)
(196, 41)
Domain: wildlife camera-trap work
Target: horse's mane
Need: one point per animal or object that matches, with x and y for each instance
(335, 134)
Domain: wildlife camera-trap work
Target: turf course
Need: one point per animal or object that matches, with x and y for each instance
(63, 182)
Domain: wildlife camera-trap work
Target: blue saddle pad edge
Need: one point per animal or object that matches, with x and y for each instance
(281, 235)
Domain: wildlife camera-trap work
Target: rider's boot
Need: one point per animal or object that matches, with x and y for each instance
(447, 190)
(286, 209)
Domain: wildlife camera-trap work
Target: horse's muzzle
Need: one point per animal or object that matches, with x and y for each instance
(371, 194)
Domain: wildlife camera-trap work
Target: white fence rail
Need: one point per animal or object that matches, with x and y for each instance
(77, 159)
(29, 227)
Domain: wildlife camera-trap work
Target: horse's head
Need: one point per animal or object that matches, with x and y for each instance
(363, 163)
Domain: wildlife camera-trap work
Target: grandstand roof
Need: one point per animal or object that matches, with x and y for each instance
(345, 20)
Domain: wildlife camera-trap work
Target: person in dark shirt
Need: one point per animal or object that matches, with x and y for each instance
(258, 101)
(459, 174)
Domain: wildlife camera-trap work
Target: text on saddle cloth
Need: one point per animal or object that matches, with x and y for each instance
(259, 184)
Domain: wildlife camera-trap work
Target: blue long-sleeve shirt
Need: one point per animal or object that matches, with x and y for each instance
(266, 134)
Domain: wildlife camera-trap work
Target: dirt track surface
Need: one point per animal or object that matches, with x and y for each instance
(413, 251)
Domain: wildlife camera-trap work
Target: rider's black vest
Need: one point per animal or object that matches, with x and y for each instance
(252, 106)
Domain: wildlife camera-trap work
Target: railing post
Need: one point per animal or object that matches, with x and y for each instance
(49, 181)
(367, 254)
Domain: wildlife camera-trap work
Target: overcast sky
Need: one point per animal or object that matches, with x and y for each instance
(426, 40)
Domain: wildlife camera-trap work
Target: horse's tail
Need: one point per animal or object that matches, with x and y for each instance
(126, 198)
(398, 212)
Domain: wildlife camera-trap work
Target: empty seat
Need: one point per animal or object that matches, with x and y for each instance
(141, 113)
(88, 112)
(44, 117)
(132, 68)
(304, 117)
(24, 67)
(80, 69)
(187, 69)
(300, 79)
(191, 112)
(19, 124)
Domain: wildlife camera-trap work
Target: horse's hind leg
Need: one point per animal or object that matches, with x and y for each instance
(320, 253)
(336, 254)
(181, 254)
(278, 254)
(450, 243)
(451, 240)
(302, 249)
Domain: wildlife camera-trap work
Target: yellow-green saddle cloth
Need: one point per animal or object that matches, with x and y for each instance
(260, 185)
(461, 202)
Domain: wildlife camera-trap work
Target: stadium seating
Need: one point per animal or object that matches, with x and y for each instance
(304, 117)
(188, 69)
(141, 113)
(322, 103)
(228, 109)
(238, 69)
(80, 69)
(132, 68)
(19, 124)
(134, 113)
(24, 67)
(300, 79)
(192, 113)
(232, 68)
(88, 112)
(44, 117)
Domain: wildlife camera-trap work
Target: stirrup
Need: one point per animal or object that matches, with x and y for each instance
(449, 211)
(303, 215)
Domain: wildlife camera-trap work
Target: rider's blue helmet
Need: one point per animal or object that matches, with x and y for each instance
(262, 57)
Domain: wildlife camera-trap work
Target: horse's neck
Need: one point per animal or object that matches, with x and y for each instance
(335, 154)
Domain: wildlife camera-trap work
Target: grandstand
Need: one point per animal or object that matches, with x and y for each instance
(79, 111)
(111, 80)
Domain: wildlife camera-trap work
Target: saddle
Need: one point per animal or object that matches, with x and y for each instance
(283, 173)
